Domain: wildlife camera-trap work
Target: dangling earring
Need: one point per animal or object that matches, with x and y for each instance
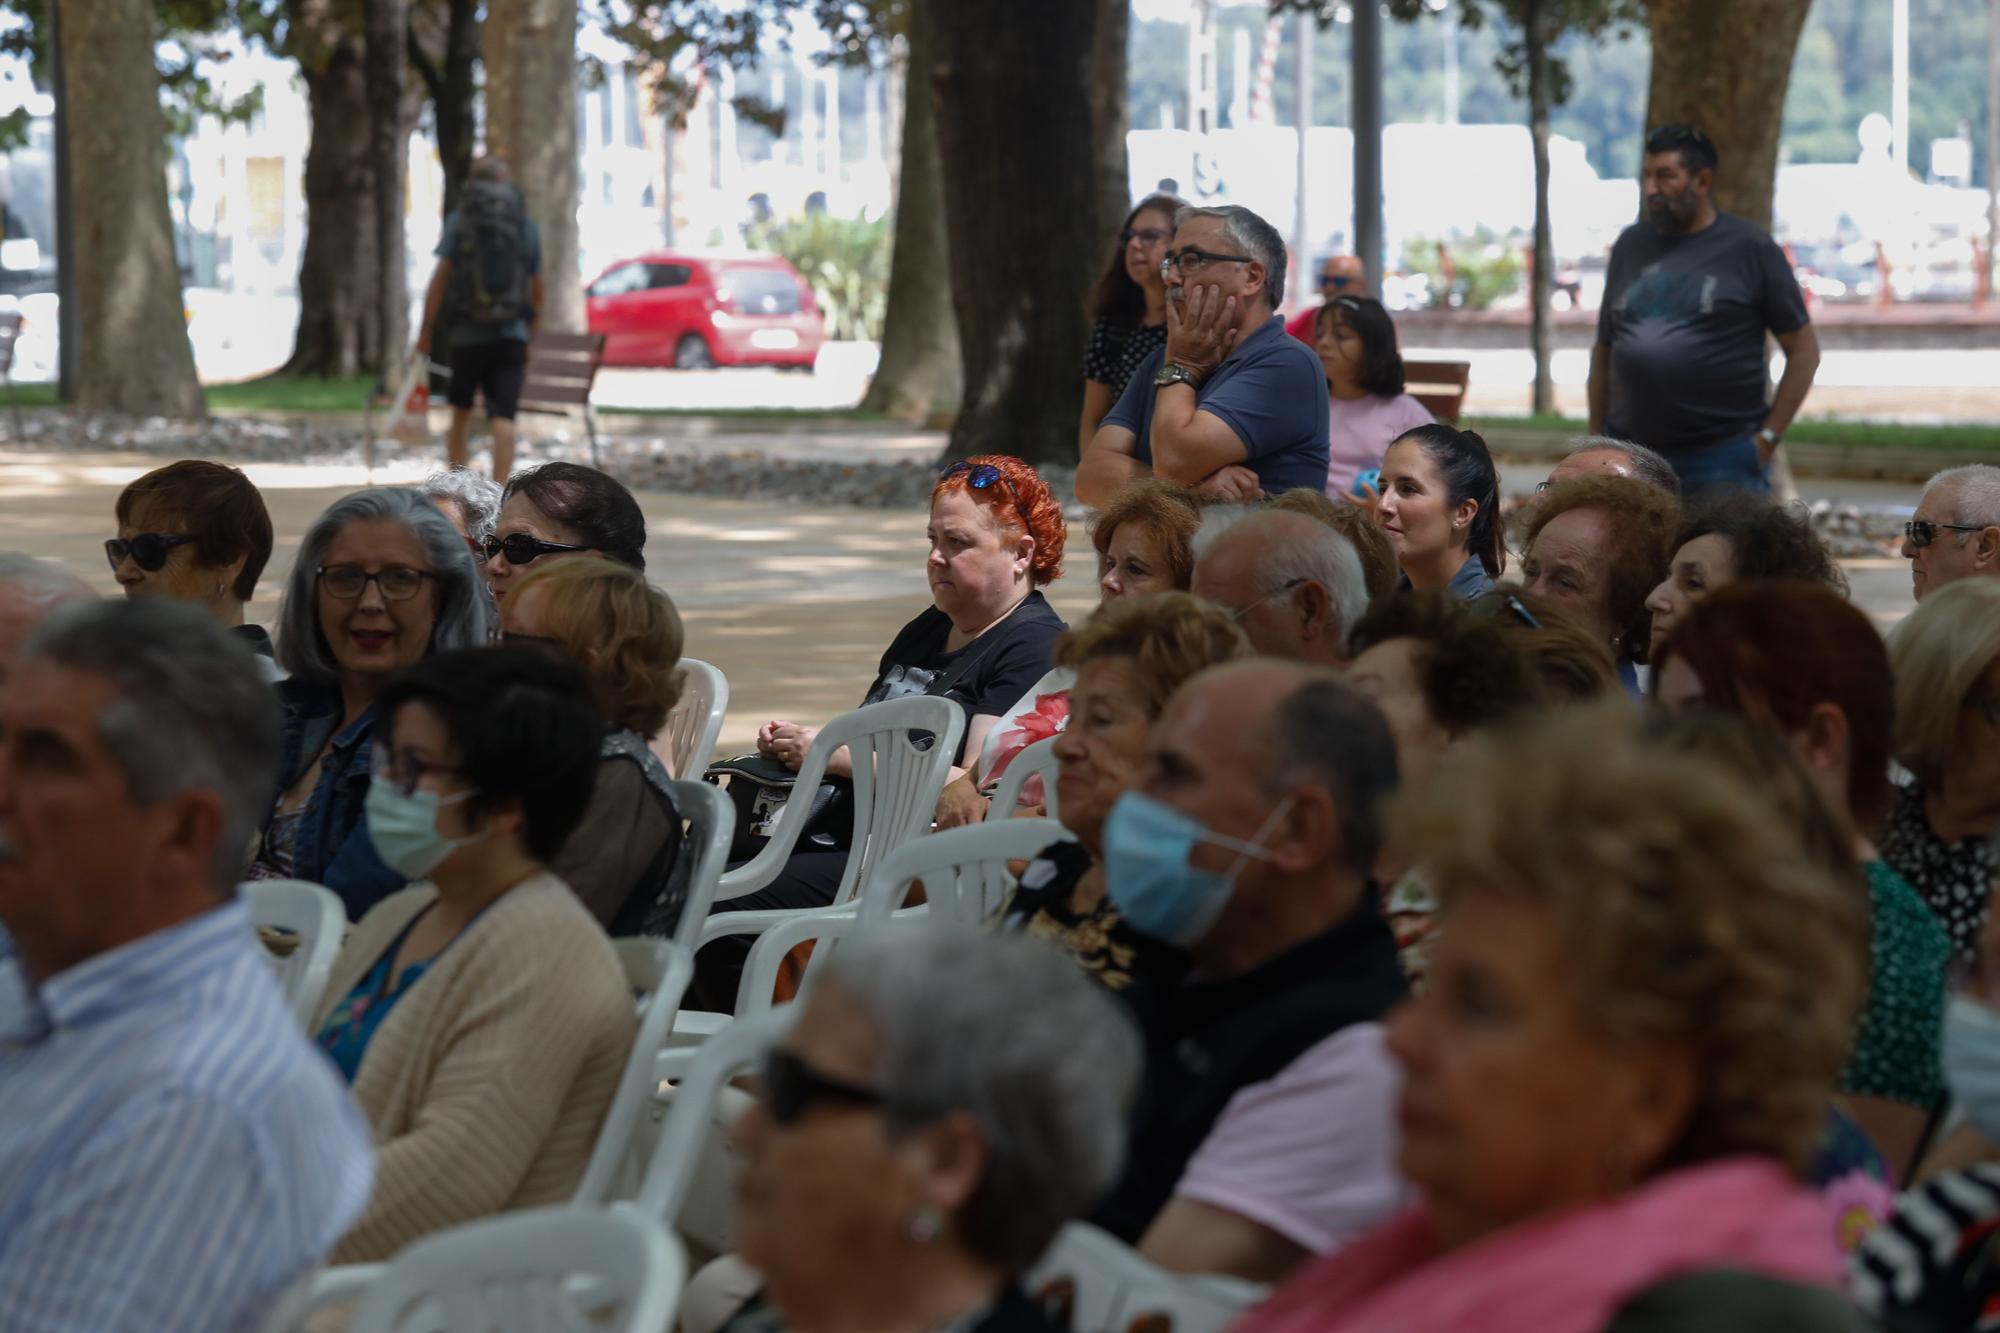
(925, 1224)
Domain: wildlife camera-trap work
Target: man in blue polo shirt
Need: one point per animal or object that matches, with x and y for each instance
(1230, 405)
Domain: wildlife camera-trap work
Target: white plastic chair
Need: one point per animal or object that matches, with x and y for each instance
(896, 789)
(711, 826)
(688, 739)
(1037, 760)
(317, 918)
(546, 1269)
(658, 969)
(1109, 1288)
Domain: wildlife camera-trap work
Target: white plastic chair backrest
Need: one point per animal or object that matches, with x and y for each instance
(548, 1270)
(1037, 760)
(687, 741)
(691, 1117)
(896, 788)
(1110, 1288)
(711, 826)
(965, 871)
(316, 916)
(659, 969)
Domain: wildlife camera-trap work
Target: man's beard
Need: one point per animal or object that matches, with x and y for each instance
(1672, 213)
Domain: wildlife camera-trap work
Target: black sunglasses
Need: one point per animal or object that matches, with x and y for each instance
(980, 477)
(1334, 280)
(1923, 532)
(791, 1086)
(148, 550)
(521, 549)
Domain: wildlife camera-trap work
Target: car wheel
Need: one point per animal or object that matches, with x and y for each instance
(692, 353)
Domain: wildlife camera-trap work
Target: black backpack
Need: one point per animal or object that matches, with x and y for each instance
(489, 265)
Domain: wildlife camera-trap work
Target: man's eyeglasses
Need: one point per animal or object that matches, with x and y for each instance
(1239, 613)
(521, 549)
(1923, 532)
(1147, 235)
(148, 550)
(791, 1086)
(1334, 280)
(982, 476)
(402, 771)
(1191, 261)
(397, 583)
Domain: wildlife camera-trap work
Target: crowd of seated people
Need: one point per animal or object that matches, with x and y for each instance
(1425, 941)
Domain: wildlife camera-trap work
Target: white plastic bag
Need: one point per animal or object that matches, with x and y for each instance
(410, 423)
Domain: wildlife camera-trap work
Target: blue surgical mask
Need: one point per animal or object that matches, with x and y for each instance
(404, 828)
(1972, 1062)
(1146, 851)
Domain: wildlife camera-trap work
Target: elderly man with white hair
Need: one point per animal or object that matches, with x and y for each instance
(29, 589)
(1589, 454)
(1955, 533)
(1294, 584)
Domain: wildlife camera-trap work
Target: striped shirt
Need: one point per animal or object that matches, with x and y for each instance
(173, 1151)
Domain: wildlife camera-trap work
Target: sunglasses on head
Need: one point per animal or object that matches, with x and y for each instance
(982, 476)
(1923, 532)
(791, 1087)
(148, 550)
(521, 549)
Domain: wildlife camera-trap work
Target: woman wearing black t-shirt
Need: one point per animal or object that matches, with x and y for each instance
(996, 537)
(1128, 309)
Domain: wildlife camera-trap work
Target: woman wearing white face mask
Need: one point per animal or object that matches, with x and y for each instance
(481, 1014)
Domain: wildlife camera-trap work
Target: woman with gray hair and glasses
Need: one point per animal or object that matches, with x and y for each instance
(920, 1142)
(382, 580)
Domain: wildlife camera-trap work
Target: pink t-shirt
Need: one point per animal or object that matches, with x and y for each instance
(1360, 431)
(1311, 1153)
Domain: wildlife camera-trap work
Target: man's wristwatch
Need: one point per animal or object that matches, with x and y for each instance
(1769, 438)
(1173, 372)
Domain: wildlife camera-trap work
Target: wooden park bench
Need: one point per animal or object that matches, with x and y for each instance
(562, 367)
(1439, 386)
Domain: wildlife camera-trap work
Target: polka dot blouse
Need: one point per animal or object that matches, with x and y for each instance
(1117, 349)
(1953, 878)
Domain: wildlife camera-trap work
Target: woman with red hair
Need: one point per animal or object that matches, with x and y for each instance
(996, 538)
(1800, 658)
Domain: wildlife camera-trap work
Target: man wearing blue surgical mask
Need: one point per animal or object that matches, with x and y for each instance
(1265, 1132)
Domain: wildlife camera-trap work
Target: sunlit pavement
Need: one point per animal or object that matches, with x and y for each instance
(794, 602)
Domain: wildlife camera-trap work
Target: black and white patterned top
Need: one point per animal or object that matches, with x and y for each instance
(1954, 878)
(1117, 349)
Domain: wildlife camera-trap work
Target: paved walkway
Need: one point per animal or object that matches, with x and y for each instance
(794, 602)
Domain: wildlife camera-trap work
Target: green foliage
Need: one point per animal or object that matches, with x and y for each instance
(847, 262)
(1482, 270)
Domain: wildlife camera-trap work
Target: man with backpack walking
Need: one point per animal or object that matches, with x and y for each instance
(488, 284)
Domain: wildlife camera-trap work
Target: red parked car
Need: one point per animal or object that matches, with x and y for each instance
(693, 311)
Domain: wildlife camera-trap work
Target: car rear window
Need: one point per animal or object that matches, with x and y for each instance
(761, 291)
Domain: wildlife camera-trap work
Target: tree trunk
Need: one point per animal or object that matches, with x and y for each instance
(386, 21)
(1110, 117)
(444, 51)
(1535, 30)
(1723, 65)
(133, 355)
(1021, 199)
(530, 56)
(339, 334)
(920, 372)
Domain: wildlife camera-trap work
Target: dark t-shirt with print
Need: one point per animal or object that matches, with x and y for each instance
(1685, 318)
(1000, 665)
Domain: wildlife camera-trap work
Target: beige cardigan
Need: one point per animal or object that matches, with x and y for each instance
(486, 1085)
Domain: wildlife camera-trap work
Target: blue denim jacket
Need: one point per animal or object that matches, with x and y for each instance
(333, 847)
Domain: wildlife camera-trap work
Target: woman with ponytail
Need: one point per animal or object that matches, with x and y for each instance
(1440, 507)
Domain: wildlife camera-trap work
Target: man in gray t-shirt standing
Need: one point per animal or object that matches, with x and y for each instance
(1679, 364)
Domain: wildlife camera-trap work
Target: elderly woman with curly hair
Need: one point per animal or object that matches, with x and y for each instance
(1619, 1071)
(918, 1145)
(996, 537)
(1598, 545)
(1942, 822)
(1145, 543)
(1732, 537)
(382, 581)
(626, 635)
(1129, 659)
(1802, 659)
